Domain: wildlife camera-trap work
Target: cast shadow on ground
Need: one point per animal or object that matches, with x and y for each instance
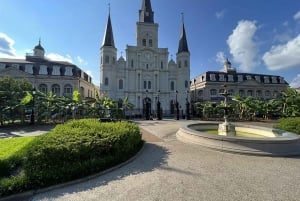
(152, 157)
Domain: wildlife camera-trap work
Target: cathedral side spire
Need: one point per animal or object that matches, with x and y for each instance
(183, 45)
(146, 13)
(108, 39)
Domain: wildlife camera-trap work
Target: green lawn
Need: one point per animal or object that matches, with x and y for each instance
(11, 146)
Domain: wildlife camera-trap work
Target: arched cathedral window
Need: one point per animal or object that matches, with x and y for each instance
(172, 85)
(106, 81)
(107, 59)
(150, 43)
(185, 63)
(121, 84)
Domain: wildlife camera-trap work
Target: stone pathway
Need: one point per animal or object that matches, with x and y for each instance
(168, 169)
(18, 131)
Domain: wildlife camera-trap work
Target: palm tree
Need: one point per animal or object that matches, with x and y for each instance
(290, 103)
(126, 105)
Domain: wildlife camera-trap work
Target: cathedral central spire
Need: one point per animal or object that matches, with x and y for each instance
(146, 13)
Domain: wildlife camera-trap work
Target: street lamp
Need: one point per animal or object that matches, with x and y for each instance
(177, 107)
(32, 111)
(158, 110)
(187, 109)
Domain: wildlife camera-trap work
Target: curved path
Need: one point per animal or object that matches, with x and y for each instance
(168, 169)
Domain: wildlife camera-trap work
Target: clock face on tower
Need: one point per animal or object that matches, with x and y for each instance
(147, 56)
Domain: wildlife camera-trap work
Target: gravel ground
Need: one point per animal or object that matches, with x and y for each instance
(168, 169)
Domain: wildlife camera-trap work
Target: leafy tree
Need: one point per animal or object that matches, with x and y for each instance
(11, 92)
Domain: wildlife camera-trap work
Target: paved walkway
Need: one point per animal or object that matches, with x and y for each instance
(19, 131)
(168, 169)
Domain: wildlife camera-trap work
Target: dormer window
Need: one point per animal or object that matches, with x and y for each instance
(266, 79)
(240, 78)
(257, 78)
(221, 77)
(212, 77)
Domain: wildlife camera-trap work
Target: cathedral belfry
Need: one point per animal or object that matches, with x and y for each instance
(146, 74)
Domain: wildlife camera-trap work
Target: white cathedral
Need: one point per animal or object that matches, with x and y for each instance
(147, 74)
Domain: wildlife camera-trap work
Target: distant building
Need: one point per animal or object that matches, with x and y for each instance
(208, 86)
(146, 74)
(60, 77)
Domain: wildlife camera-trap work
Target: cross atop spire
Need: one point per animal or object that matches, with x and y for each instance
(182, 17)
(146, 13)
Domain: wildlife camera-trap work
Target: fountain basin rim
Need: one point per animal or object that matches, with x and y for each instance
(285, 144)
(281, 134)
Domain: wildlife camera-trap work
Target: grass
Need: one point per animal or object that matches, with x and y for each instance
(11, 146)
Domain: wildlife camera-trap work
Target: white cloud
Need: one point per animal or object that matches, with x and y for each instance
(58, 57)
(283, 56)
(6, 46)
(296, 82)
(297, 15)
(81, 61)
(220, 57)
(220, 14)
(242, 46)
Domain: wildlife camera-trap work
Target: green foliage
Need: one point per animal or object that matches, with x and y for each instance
(291, 124)
(79, 148)
(11, 93)
(70, 151)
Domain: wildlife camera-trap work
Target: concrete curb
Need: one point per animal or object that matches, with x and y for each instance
(26, 196)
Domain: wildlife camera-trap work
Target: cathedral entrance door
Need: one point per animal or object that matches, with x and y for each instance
(147, 108)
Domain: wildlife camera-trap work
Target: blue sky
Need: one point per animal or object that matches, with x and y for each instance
(257, 36)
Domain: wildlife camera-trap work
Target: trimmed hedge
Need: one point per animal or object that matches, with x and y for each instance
(291, 124)
(74, 150)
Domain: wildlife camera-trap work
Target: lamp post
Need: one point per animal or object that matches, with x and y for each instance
(147, 107)
(187, 109)
(32, 111)
(177, 107)
(158, 110)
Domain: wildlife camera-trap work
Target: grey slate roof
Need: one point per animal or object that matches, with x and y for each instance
(108, 39)
(183, 45)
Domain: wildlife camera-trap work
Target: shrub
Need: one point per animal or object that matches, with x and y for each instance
(79, 148)
(291, 124)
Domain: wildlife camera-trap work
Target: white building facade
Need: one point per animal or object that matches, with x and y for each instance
(209, 85)
(60, 77)
(146, 73)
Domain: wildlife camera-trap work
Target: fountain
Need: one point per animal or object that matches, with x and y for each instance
(226, 128)
(240, 138)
